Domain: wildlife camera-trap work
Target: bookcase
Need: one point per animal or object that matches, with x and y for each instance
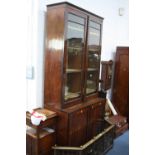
(72, 55)
(72, 67)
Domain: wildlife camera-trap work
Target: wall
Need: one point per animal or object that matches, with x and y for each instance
(35, 54)
(115, 33)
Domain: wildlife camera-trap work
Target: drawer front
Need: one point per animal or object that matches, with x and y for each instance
(77, 127)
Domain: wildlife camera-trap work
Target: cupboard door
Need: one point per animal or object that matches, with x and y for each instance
(74, 55)
(120, 95)
(93, 57)
(77, 127)
(95, 117)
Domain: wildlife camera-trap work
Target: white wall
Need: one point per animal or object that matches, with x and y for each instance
(115, 33)
(35, 53)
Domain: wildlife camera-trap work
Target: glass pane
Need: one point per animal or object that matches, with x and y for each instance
(94, 37)
(91, 82)
(94, 25)
(94, 48)
(75, 31)
(93, 58)
(75, 18)
(73, 85)
(74, 57)
(75, 37)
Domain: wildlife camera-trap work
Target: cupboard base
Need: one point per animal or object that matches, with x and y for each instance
(98, 145)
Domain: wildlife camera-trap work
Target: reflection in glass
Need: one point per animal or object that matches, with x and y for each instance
(93, 57)
(91, 82)
(94, 37)
(72, 87)
(75, 18)
(93, 60)
(94, 25)
(74, 57)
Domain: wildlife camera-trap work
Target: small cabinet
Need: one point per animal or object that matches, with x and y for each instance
(106, 74)
(72, 55)
(39, 139)
(44, 142)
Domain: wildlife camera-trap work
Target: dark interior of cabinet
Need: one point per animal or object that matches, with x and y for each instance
(91, 81)
(75, 58)
(73, 85)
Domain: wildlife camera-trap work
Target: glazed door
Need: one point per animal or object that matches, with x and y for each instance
(74, 55)
(120, 95)
(93, 57)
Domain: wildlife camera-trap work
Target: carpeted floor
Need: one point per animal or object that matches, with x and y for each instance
(121, 145)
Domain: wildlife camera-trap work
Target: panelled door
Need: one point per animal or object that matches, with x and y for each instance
(120, 95)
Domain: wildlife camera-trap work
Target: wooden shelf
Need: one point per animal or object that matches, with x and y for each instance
(71, 95)
(92, 69)
(93, 50)
(75, 48)
(89, 90)
(73, 70)
(44, 132)
(90, 82)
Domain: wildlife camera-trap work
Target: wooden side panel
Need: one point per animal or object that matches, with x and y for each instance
(54, 56)
(120, 96)
(61, 127)
(28, 145)
(45, 144)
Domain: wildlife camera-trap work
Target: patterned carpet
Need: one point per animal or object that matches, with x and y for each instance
(121, 145)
